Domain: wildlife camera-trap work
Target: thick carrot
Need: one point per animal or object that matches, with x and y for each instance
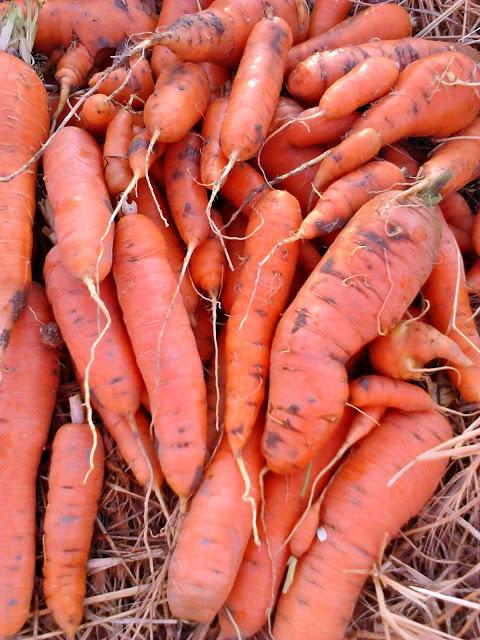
(23, 129)
(347, 194)
(80, 202)
(97, 113)
(213, 161)
(165, 350)
(69, 521)
(384, 21)
(261, 298)
(179, 101)
(450, 312)
(242, 181)
(350, 297)
(379, 391)
(404, 352)
(311, 77)
(360, 513)
(209, 550)
(114, 378)
(262, 568)
(255, 90)
(236, 250)
(30, 377)
(433, 97)
(326, 14)
(119, 135)
(132, 82)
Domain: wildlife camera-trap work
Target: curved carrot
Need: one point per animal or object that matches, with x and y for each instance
(23, 129)
(97, 113)
(360, 513)
(165, 350)
(30, 378)
(243, 181)
(373, 391)
(212, 160)
(72, 506)
(80, 202)
(119, 135)
(350, 297)
(132, 80)
(384, 21)
(326, 14)
(309, 128)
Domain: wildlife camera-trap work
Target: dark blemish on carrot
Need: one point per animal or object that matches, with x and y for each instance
(217, 24)
(349, 65)
(390, 123)
(277, 41)
(364, 383)
(121, 4)
(301, 601)
(181, 445)
(181, 87)
(11, 602)
(257, 375)
(329, 300)
(311, 399)
(417, 437)
(68, 487)
(133, 259)
(415, 108)
(102, 42)
(68, 519)
(238, 430)
(177, 174)
(272, 440)
(196, 479)
(327, 227)
(258, 133)
(187, 209)
(261, 312)
(181, 429)
(18, 301)
(116, 379)
(190, 152)
(294, 409)
(375, 238)
(136, 144)
(300, 321)
(396, 232)
(327, 266)
(4, 339)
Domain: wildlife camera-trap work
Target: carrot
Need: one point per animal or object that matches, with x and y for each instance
(456, 211)
(131, 83)
(119, 135)
(373, 391)
(261, 298)
(308, 257)
(404, 351)
(203, 330)
(97, 113)
(311, 77)
(309, 128)
(219, 79)
(81, 221)
(24, 129)
(208, 264)
(209, 550)
(384, 21)
(326, 14)
(464, 240)
(30, 377)
(72, 506)
(346, 195)
(179, 101)
(236, 250)
(303, 537)
(165, 350)
(450, 312)
(216, 379)
(242, 183)
(444, 102)
(262, 567)
(365, 83)
(212, 160)
(473, 278)
(142, 154)
(356, 523)
(399, 156)
(351, 296)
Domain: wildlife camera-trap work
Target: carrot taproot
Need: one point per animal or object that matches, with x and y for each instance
(165, 349)
(130, 83)
(209, 550)
(236, 232)
(450, 312)
(178, 102)
(114, 378)
(329, 577)
(310, 78)
(433, 97)
(212, 160)
(326, 14)
(384, 21)
(398, 155)
(261, 299)
(375, 390)
(24, 128)
(262, 567)
(72, 506)
(97, 113)
(119, 134)
(404, 352)
(473, 278)
(361, 287)
(81, 222)
(30, 378)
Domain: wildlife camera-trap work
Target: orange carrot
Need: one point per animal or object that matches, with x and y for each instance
(456, 211)
(72, 506)
(213, 161)
(236, 250)
(308, 257)
(216, 380)
(440, 108)
(209, 550)
(473, 278)
(208, 264)
(348, 299)
(241, 183)
(309, 128)
(165, 349)
(132, 82)
(30, 377)
(373, 391)
(142, 154)
(326, 14)
(97, 113)
(359, 514)
(219, 79)
(81, 204)
(384, 21)
(399, 156)
(119, 134)
(203, 330)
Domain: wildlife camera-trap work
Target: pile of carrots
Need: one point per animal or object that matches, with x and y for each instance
(255, 274)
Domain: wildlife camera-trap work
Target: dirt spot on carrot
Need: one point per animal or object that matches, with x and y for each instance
(300, 321)
(196, 479)
(4, 339)
(272, 440)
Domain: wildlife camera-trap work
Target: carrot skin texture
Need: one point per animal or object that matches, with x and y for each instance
(80, 223)
(133, 78)
(209, 551)
(30, 378)
(400, 157)
(119, 135)
(236, 249)
(355, 526)
(326, 14)
(248, 342)
(374, 390)
(212, 159)
(255, 89)
(171, 367)
(69, 522)
(97, 113)
(141, 156)
(456, 211)
(208, 264)
(308, 379)
(25, 108)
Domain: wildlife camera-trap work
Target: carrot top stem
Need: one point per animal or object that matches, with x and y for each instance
(429, 189)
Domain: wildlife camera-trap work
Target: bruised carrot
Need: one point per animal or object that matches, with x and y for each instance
(404, 351)
(97, 113)
(384, 21)
(212, 160)
(326, 14)
(348, 299)
(261, 298)
(440, 108)
(72, 504)
(356, 523)
(30, 378)
(165, 350)
(132, 82)
(311, 77)
(81, 204)
(209, 550)
(373, 390)
(119, 135)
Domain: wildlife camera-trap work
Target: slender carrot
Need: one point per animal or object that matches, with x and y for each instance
(242, 181)
(132, 80)
(208, 265)
(326, 14)
(236, 249)
(212, 160)
(97, 113)
(119, 134)
(142, 154)
(373, 390)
